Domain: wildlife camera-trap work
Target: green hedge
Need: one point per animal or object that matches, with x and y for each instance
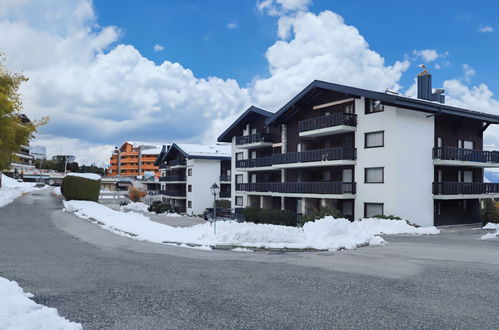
(274, 217)
(74, 187)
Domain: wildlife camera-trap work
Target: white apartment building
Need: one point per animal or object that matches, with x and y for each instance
(364, 153)
(187, 171)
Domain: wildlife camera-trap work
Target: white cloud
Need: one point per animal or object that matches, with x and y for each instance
(468, 72)
(158, 48)
(486, 29)
(282, 7)
(232, 25)
(428, 55)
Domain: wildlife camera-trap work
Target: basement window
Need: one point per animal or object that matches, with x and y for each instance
(372, 209)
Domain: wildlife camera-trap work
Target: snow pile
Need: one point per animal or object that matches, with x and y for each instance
(17, 311)
(327, 233)
(493, 226)
(11, 189)
(144, 208)
(57, 191)
(90, 176)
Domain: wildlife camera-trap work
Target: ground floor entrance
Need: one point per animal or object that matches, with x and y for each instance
(456, 212)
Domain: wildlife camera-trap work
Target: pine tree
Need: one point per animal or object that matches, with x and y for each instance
(13, 132)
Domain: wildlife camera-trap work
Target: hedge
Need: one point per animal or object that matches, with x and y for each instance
(78, 188)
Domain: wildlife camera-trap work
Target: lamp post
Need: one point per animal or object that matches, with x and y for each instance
(214, 190)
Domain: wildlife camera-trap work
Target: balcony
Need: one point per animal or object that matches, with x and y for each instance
(336, 123)
(225, 178)
(309, 158)
(465, 190)
(254, 141)
(450, 156)
(173, 178)
(337, 190)
(224, 194)
(177, 163)
(173, 193)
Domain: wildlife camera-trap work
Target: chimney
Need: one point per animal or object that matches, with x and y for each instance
(424, 88)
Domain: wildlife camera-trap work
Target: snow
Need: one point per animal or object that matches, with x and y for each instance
(90, 176)
(493, 226)
(328, 233)
(11, 189)
(18, 312)
(152, 151)
(144, 208)
(222, 150)
(57, 191)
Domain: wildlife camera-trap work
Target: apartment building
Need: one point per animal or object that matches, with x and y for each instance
(187, 171)
(364, 153)
(23, 161)
(133, 159)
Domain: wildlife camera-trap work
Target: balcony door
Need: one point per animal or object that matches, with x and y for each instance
(465, 176)
(347, 175)
(463, 144)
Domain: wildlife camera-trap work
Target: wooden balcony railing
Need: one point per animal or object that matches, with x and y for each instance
(465, 188)
(225, 178)
(315, 155)
(254, 138)
(174, 193)
(300, 187)
(470, 155)
(256, 162)
(172, 178)
(336, 119)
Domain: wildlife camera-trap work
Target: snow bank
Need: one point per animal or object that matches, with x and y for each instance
(327, 233)
(90, 176)
(493, 226)
(19, 312)
(144, 208)
(11, 189)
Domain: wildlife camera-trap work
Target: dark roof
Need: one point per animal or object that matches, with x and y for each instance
(389, 99)
(227, 136)
(161, 156)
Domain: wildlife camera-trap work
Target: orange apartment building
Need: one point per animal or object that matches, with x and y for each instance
(133, 159)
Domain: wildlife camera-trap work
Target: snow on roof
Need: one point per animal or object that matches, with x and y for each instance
(90, 176)
(152, 151)
(193, 150)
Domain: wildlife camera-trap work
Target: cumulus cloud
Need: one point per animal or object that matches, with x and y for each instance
(282, 7)
(232, 25)
(486, 29)
(158, 48)
(428, 55)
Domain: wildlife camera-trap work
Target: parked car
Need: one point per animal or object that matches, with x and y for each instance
(222, 214)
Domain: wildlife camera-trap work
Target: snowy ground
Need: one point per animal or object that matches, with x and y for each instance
(18, 312)
(11, 189)
(327, 233)
(493, 226)
(144, 208)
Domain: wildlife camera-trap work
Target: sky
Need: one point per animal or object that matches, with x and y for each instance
(107, 71)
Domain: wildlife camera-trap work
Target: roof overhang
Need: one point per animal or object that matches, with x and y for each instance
(226, 136)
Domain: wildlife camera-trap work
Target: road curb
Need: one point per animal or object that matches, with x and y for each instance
(258, 248)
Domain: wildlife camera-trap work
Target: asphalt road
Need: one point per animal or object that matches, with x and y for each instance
(106, 281)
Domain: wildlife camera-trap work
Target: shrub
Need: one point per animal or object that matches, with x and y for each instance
(489, 212)
(319, 214)
(273, 217)
(222, 203)
(78, 188)
(135, 194)
(386, 217)
(159, 207)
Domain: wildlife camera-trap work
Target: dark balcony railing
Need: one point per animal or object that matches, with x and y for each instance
(256, 162)
(254, 138)
(176, 162)
(315, 155)
(465, 188)
(169, 178)
(336, 119)
(174, 193)
(470, 155)
(224, 178)
(224, 194)
(162, 166)
(300, 187)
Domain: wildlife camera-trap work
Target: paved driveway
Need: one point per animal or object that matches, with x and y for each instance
(106, 281)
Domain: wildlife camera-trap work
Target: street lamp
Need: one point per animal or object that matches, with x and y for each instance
(214, 190)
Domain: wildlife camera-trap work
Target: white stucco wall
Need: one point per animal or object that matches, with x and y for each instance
(407, 161)
(205, 172)
(234, 172)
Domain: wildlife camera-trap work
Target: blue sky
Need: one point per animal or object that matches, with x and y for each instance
(93, 67)
(196, 33)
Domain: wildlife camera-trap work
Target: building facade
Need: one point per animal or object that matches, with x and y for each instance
(134, 159)
(23, 161)
(364, 153)
(187, 171)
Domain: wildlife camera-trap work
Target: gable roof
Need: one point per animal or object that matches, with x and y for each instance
(389, 99)
(226, 136)
(202, 151)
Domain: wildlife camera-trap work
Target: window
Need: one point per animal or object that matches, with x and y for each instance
(239, 178)
(239, 156)
(189, 204)
(467, 176)
(463, 144)
(372, 209)
(189, 187)
(439, 142)
(373, 106)
(347, 175)
(349, 108)
(374, 175)
(239, 200)
(374, 139)
(189, 172)
(326, 176)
